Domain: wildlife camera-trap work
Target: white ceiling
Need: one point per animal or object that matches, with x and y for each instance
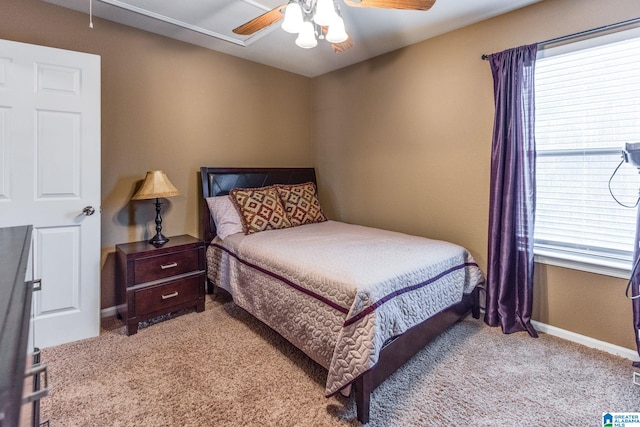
(210, 23)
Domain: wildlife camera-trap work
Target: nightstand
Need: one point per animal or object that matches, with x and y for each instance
(152, 281)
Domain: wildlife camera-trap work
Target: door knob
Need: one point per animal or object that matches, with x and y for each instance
(88, 211)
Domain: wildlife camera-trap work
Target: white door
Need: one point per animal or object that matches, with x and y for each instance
(49, 173)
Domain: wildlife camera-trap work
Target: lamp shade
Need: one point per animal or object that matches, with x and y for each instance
(292, 18)
(337, 33)
(307, 36)
(156, 185)
(325, 12)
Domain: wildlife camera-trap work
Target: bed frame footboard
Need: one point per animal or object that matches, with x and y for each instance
(404, 347)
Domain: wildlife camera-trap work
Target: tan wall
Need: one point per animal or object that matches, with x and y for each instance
(173, 106)
(403, 141)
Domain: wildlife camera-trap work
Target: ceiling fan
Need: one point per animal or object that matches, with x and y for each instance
(321, 18)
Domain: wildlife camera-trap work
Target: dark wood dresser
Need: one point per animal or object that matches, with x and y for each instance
(15, 310)
(153, 281)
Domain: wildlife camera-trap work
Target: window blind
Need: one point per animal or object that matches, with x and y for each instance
(587, 108)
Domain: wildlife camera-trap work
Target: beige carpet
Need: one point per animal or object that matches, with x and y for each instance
(223, 368)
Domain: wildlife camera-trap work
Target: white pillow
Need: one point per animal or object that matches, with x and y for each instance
(225, 215)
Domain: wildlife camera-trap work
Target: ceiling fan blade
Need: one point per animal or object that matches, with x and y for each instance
(262, 21)
(339, 47)
(393, 4)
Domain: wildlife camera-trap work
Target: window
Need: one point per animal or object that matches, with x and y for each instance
(587, 108)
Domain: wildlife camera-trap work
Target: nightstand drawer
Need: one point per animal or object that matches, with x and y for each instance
(156, 280)
(159, 297)
(162, 266)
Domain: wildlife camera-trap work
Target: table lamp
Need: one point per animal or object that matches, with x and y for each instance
(156, 185)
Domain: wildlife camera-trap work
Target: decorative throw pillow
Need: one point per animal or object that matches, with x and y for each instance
(225, 216)
(301, 203)
(260, 209)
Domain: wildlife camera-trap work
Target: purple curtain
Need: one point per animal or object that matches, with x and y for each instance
(635, 291)
(512, 193)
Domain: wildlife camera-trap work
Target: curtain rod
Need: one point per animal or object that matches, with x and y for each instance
(582, 33)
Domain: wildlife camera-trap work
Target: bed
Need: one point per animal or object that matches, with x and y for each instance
(328, 287)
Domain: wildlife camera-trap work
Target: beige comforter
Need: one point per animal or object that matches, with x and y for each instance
(338, 291)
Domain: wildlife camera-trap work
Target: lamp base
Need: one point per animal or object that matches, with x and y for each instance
(159, 239)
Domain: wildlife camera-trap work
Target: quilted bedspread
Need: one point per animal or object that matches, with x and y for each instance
(338, 291)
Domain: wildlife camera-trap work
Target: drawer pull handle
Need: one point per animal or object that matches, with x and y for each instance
(175, 294)
(35, 371)
(165, 266)
(36, 395)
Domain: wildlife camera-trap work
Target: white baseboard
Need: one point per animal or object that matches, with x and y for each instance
(108, 312)
(586, 341)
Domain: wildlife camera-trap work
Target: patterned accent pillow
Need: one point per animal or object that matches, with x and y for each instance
(301, 203)
(260, 209)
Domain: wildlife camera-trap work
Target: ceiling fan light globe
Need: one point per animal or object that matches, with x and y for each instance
(307, 36)
(336, 32)
(292, 21)
(325, 12)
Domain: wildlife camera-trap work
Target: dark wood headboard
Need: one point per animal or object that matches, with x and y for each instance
(220, 181)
